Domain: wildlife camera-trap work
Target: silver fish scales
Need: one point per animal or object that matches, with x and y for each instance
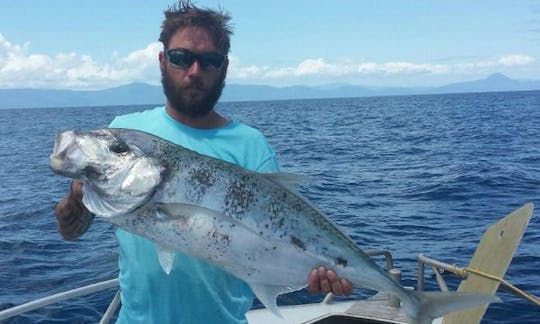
(255, 226)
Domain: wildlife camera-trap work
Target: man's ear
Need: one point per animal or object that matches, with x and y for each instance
(162, 61)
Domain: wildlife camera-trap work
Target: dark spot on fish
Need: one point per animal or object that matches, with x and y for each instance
(92, 173)
(276, 208)
(281, 222)
(200, 179)
(341, 261)
(296, 241)
(219, 240)
(239, 196)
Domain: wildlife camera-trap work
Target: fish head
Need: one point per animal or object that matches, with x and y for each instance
(116, 166)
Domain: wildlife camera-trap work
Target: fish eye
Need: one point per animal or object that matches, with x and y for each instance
(119, 147)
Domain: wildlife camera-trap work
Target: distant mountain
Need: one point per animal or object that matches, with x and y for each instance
(134, 93)
(142, 94)
(131, 94)
(495, 82)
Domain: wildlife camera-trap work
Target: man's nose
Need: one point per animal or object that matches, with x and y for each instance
(195, 68)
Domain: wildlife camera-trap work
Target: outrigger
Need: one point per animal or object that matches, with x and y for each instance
(483, 275)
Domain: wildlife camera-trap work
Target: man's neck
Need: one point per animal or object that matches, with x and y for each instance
(208, 121)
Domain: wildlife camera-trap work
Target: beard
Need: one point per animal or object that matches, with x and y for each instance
(193, 100)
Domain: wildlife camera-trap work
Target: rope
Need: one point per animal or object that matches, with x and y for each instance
(462, 272)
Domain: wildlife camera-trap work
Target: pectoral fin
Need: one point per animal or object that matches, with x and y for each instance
(166, 259)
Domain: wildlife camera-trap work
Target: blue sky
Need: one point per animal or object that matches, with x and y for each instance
(100, 43)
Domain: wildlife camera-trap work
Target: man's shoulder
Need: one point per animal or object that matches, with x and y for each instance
(134, 118)
(252, 146)
(250, 137)
(246, 130)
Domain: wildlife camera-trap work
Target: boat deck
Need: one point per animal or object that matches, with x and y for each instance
(373, 310)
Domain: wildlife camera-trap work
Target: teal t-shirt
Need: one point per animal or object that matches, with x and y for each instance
(194, 291)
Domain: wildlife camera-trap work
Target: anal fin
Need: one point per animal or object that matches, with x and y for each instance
(267, 296)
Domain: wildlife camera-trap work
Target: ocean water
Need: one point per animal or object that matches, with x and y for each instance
(411, 174)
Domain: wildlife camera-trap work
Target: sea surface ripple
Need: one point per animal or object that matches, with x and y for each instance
(410, 174)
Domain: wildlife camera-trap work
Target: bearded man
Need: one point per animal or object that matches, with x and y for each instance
(193, 67)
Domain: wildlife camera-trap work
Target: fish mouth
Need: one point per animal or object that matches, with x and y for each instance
(62, 159)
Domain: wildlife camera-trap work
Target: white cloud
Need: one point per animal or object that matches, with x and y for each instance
(19, 68)
(407, 67)
(508, 61)
(318, 66)
(516, 60)
(321, 67)
(244, 72)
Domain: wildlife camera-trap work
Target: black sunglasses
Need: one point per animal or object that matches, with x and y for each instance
(183, 59)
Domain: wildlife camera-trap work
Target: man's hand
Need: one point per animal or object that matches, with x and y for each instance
(323, 281)
(73, 218)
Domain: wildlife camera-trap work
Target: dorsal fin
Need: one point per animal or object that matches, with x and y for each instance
(291, 181)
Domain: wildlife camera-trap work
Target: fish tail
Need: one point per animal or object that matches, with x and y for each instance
(424, 307)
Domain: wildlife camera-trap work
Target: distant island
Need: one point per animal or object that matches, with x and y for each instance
(142, 94)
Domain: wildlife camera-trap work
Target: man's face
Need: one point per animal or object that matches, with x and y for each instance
(192, 91)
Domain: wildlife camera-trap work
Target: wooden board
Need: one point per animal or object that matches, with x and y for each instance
(493, 256)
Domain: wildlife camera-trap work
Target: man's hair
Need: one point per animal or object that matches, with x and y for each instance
(186, 14)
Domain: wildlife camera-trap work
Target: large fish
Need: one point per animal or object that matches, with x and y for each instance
(255, 226)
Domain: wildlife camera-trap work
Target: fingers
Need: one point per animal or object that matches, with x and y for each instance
(346, 286)
(334, 282)
(324, 281)
(313, 282)
(72, 217)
